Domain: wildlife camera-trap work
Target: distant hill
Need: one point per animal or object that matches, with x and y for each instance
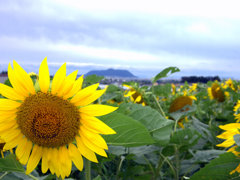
(112, 73)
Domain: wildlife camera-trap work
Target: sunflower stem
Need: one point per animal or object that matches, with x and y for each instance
(159, 106)
(87, 170)
(31, 176)
(6, 173)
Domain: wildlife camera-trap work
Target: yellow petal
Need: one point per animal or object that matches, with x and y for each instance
(13, 142)
(84, 93)
(7, 116)
(75, 156)
(93, 137)
(76, 87)
(10, 134)
(85, 151)
(58, 79)
(23, 78)
(65, 162)
(20, 148)
(44, 77)
(15, 82)
(97, 110)
(45, 159)
(34, 158)
(68, 83)
(7, 126)
(10, 93)
(95, 124)
(138, 99)
(93, 147)
(230, 126)
(53, 159)
(8, 105)
(227, 143)
(23, 156)
(87, 100)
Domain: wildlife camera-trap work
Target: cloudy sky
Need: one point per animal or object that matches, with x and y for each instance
(200, 37)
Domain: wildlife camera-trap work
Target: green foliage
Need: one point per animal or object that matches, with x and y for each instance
(129, 131)
(10, 163)
(164, 73)
(219, 168)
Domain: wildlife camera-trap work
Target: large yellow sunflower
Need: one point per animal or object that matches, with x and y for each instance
(230, 131)
(52, 121)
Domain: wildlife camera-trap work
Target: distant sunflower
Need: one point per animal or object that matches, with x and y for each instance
(215, 92)
(134, 95)
(56, 123)
(173, 89)
(230, 131)
(179, 103)
(236, 110)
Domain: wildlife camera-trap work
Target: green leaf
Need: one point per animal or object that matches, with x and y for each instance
(10, 163)
(237, 139)
(129, 131)
(162, 90)
(159, 126)
(187, 136)
(219, 168)
(164, 73)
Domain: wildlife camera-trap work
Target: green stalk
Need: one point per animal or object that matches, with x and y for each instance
(31, 176)
(87, 170)
(159, 106)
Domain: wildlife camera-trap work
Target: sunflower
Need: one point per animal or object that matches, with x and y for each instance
(215, 92)
(179, 103)
(231, 130)
(134, 95)
(236, 111)
(55, 123)
(173, 89)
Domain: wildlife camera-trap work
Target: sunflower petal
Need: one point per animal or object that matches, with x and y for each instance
(84, 93)
(65, 161)
(10, 93)
(45, 160)
(23, 78)
(44, 77)
(58, 79)
(68, 83)
(95, 124)
(76, 87)
(15, 83)
(87, 100)
(93, 147)
(85, 151)
(94, 138)
(12, 142)
(26, 152)
(8, 105)
(75, 156)
(34, 158)
(97, 110)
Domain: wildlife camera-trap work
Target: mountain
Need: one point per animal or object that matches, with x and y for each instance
(112, 73)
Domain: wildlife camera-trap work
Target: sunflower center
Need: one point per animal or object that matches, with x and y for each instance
(48, 120)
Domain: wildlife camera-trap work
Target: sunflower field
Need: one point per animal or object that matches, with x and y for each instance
(63, 127)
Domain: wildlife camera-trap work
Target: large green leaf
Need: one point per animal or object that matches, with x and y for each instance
(129, 131)
(187, 136)
(159, 126)
(219, 168)
(164, 73)
(10, 163)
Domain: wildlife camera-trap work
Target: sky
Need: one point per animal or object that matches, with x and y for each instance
(199, 37)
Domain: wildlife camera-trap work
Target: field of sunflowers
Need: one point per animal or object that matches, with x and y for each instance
(163, 131)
